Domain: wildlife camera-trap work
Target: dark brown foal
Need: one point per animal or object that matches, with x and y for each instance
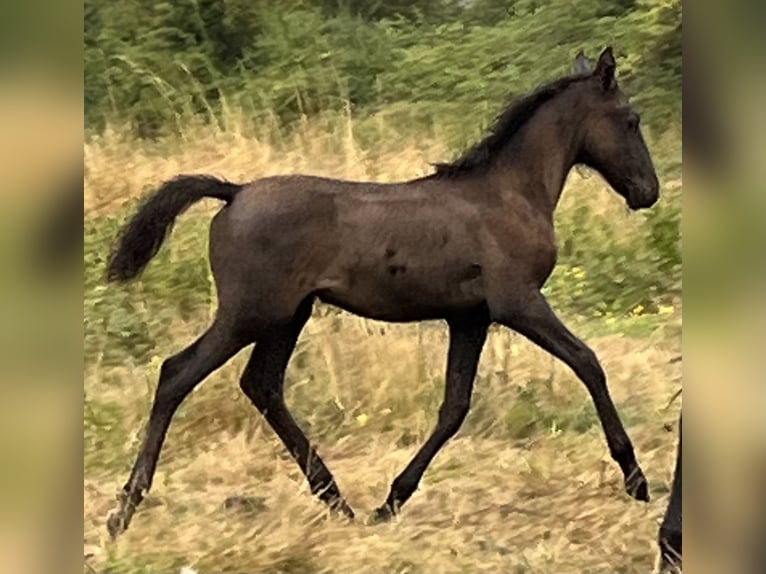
(471, 244)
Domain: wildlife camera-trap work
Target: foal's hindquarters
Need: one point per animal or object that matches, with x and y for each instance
(263, 279)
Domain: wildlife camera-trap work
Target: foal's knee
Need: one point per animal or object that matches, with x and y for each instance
(589, 368)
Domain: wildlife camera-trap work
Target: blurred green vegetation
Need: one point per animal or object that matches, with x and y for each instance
(153, 66)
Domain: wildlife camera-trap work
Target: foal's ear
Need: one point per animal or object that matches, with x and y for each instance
(605, 68)
(582, 64)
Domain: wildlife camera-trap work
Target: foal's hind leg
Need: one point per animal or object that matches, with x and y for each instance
(178, 376)
(466, 341)
(534, 319)
(263, 383)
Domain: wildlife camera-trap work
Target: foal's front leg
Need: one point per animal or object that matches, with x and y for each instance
(533, 318)
(467, 338)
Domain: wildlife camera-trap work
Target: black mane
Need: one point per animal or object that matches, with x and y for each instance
(506, 125)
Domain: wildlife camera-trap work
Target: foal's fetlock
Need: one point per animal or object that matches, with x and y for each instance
(340, 505)
(332, 497)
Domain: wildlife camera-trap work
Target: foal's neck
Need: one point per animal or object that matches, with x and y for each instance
(535, 163)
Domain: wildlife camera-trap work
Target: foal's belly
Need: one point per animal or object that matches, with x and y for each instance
(401, 292)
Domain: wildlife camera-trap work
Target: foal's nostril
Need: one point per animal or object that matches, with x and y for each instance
(652, 194)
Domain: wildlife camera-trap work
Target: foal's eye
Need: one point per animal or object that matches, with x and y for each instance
(633, 121)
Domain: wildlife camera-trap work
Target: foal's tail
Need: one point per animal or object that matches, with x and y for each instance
(141, 238)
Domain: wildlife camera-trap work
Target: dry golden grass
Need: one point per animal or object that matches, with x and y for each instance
(494, 499)
(118, 168)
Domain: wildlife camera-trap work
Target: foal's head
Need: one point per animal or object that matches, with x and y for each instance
(612, 142)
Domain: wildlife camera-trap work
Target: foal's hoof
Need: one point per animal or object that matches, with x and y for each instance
(636, 485)
(341, 507)
(116, 524)
(670, 552)
(381, 515)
